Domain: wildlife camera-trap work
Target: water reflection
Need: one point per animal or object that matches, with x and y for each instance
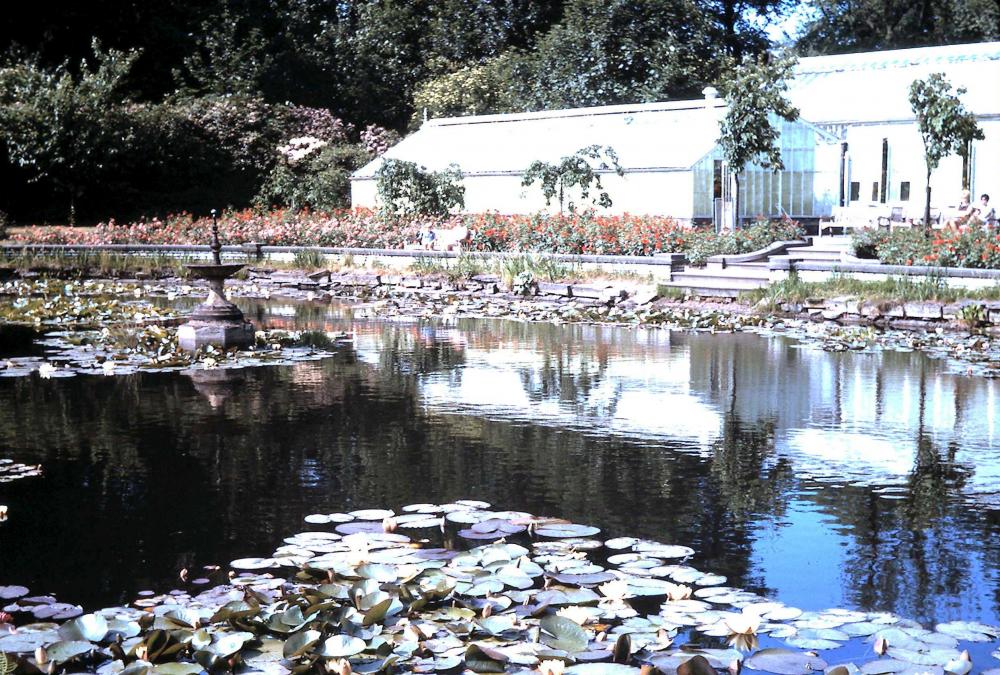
(859, 479)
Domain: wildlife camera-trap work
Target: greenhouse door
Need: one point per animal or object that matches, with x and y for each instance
(722, 197)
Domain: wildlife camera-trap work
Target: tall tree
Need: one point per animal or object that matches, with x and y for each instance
(619, 51)
(754, 91)
(945, 125)
(842, 26)
(70, 130)
(738, 25)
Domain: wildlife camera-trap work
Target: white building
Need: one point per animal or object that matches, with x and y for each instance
(864, 100)
(856, 143)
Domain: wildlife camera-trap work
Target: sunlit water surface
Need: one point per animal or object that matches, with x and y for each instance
(861, 480)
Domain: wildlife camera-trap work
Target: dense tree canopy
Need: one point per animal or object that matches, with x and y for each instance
(204, 102)
(841, 26)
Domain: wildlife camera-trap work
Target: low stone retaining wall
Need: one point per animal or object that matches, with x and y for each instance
(956, 277)
(926, 314)
(658, 266)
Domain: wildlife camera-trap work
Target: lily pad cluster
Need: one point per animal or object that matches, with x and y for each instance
(460, 588)
(61, 304)
(128, 350)
(18, 601)
(11, 471)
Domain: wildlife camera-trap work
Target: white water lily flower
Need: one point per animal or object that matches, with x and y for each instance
(746, 623)
(614, 590)
(551, 667)
(575, 614)
(358, 553)
(678, 592)
(46, 370)
(108, 367)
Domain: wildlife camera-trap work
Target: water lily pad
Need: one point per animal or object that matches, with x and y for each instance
(970, 631)
(372, 514)
(563, 634)
(11, 592)
(178, 668)
(601, 669)
(883, 666)
(561, 531)
(253, 564)
(300, 643)
(26, 642)
(784, 662)
(60, 652)
(92, 627)
(340, 646)
(228, 644)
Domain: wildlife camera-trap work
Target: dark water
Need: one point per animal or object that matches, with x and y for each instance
(857, 480)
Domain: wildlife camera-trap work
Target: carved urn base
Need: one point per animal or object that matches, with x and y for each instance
(216, 321)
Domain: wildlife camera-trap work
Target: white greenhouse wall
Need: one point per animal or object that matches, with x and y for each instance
(906, 164)
(655, 193)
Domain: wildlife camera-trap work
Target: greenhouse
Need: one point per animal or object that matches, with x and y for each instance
(667, 151)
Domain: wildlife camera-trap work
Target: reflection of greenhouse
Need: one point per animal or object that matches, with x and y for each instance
(848, 417)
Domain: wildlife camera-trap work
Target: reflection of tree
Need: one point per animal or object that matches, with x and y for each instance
(752, 479)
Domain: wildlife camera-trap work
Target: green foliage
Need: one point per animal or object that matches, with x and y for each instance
(618, 51)
(754, 91)
(469, 90)
(70, 130)
(406, 189)
(575, 171)
(308, 259)
(842, 26)
(230, 59)
(318, 180)
(945, 125)
(917, 246)
(904, 246)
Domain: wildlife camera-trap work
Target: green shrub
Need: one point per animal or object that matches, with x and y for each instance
(404, 188)
(972, 247)
(319, 179)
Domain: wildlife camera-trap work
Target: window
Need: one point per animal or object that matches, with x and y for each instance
(855, 191)
(904, 191)
(875, 191)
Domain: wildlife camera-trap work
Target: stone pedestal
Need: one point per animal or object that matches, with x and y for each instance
(216, 321)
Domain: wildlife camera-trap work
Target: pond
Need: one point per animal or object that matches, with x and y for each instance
(861, 480)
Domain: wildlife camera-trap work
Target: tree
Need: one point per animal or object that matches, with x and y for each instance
(576, 170)
(470, 90)
(406, 188)
(754, 92)
(841, 26)
(738, 25)
(945, 125)
(69, 130)
(607, 52)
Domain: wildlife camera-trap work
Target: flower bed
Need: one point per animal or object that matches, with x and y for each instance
(363, 228)
(969, 248)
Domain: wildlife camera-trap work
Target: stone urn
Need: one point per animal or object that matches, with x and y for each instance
(216, 321)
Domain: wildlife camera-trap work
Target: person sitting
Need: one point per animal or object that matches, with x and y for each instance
(987, 213)
(963, 214)
(427, 238)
